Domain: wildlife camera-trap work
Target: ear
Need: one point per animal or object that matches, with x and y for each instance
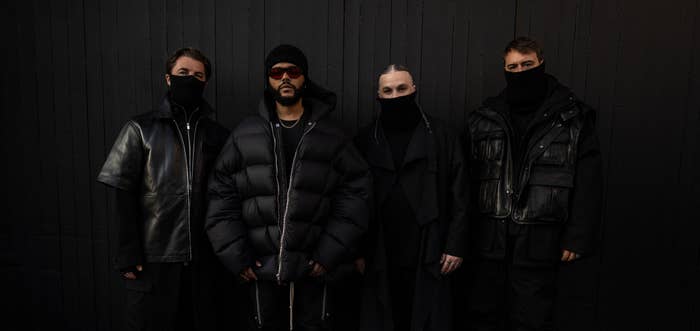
(167, 79)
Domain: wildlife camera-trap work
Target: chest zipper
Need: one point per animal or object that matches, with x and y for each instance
(189, 172)
(286, 203)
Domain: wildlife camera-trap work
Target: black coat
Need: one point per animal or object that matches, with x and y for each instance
(164, 161)
(433, 178)
(553, 201)
(319, 213)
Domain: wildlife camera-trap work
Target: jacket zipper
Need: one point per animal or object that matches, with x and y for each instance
(189, 157)
(277, 181)
(286, 204)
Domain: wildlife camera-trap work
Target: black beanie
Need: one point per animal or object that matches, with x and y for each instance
(286, 53)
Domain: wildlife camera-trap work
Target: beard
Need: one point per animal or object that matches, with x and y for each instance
(287, 100)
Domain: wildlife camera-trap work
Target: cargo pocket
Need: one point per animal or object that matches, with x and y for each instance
(548, 195)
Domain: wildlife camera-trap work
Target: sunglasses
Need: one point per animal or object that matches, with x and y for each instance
(278, 72)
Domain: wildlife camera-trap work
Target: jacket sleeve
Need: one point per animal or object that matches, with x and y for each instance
(580, 232)
(124, 165)
(129, 233)
(458, 191)
(224, 223)
(350, 214)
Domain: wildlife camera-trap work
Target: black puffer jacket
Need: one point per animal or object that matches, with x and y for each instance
(254, 214)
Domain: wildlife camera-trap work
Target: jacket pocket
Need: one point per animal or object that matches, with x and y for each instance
(489, 145)
(547, 197)
(489, 181)
(557, 152)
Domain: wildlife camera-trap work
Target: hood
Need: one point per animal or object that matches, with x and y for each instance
(321, 101)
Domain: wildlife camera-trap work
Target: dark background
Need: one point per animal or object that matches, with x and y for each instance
(74, 71)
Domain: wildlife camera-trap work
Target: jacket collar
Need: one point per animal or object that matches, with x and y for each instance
(419, 147)
(559, 102)
(170, 110)
(317, 98)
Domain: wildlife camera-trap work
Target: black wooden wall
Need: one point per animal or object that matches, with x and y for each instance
(74, 70)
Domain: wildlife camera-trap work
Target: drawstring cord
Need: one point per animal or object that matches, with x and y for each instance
(291, 306)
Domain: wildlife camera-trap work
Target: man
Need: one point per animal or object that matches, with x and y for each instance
(536, 172)
(158, 167)
(416, 241)
(288, 198)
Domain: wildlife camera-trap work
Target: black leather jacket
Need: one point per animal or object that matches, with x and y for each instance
(554, 194)
(546, 177)
(164, 159)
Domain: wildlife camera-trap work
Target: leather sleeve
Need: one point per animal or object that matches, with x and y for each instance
(124, 165)
(350, 214)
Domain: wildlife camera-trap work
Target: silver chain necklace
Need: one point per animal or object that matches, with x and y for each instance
(295, 122)
(291, 126)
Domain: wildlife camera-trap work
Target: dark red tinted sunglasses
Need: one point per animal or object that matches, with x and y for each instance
(278, 72)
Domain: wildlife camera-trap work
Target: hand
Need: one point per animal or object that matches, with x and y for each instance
(449, 263)
(568, 256)
(360, 265)
(131, 274)
(248, 274)
(317, 269)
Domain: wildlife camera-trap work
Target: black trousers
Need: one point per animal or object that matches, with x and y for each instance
(402, 283)
(174, 296)
(303, 305)
(505, 297)
(160, 298)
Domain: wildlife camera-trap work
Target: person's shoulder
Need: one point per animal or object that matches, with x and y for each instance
(367, 131)
(146, 118)
(251, 124)
(442, 127)
(331, 127)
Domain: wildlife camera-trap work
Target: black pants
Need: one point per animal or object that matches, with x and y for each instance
(160, 298)
(347, 301)
(307, 301)
(502, 296)
(172, 296)
(402, 283)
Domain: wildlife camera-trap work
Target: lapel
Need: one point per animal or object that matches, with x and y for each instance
(417, 148)
(379, 152)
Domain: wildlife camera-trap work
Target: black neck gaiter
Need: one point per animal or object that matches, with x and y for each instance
(401, 113)
(526, 88)
(186, 91)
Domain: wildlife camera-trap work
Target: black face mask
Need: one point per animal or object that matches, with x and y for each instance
(526, 87)
(186, 91)
(286, 101)
(400, 112)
